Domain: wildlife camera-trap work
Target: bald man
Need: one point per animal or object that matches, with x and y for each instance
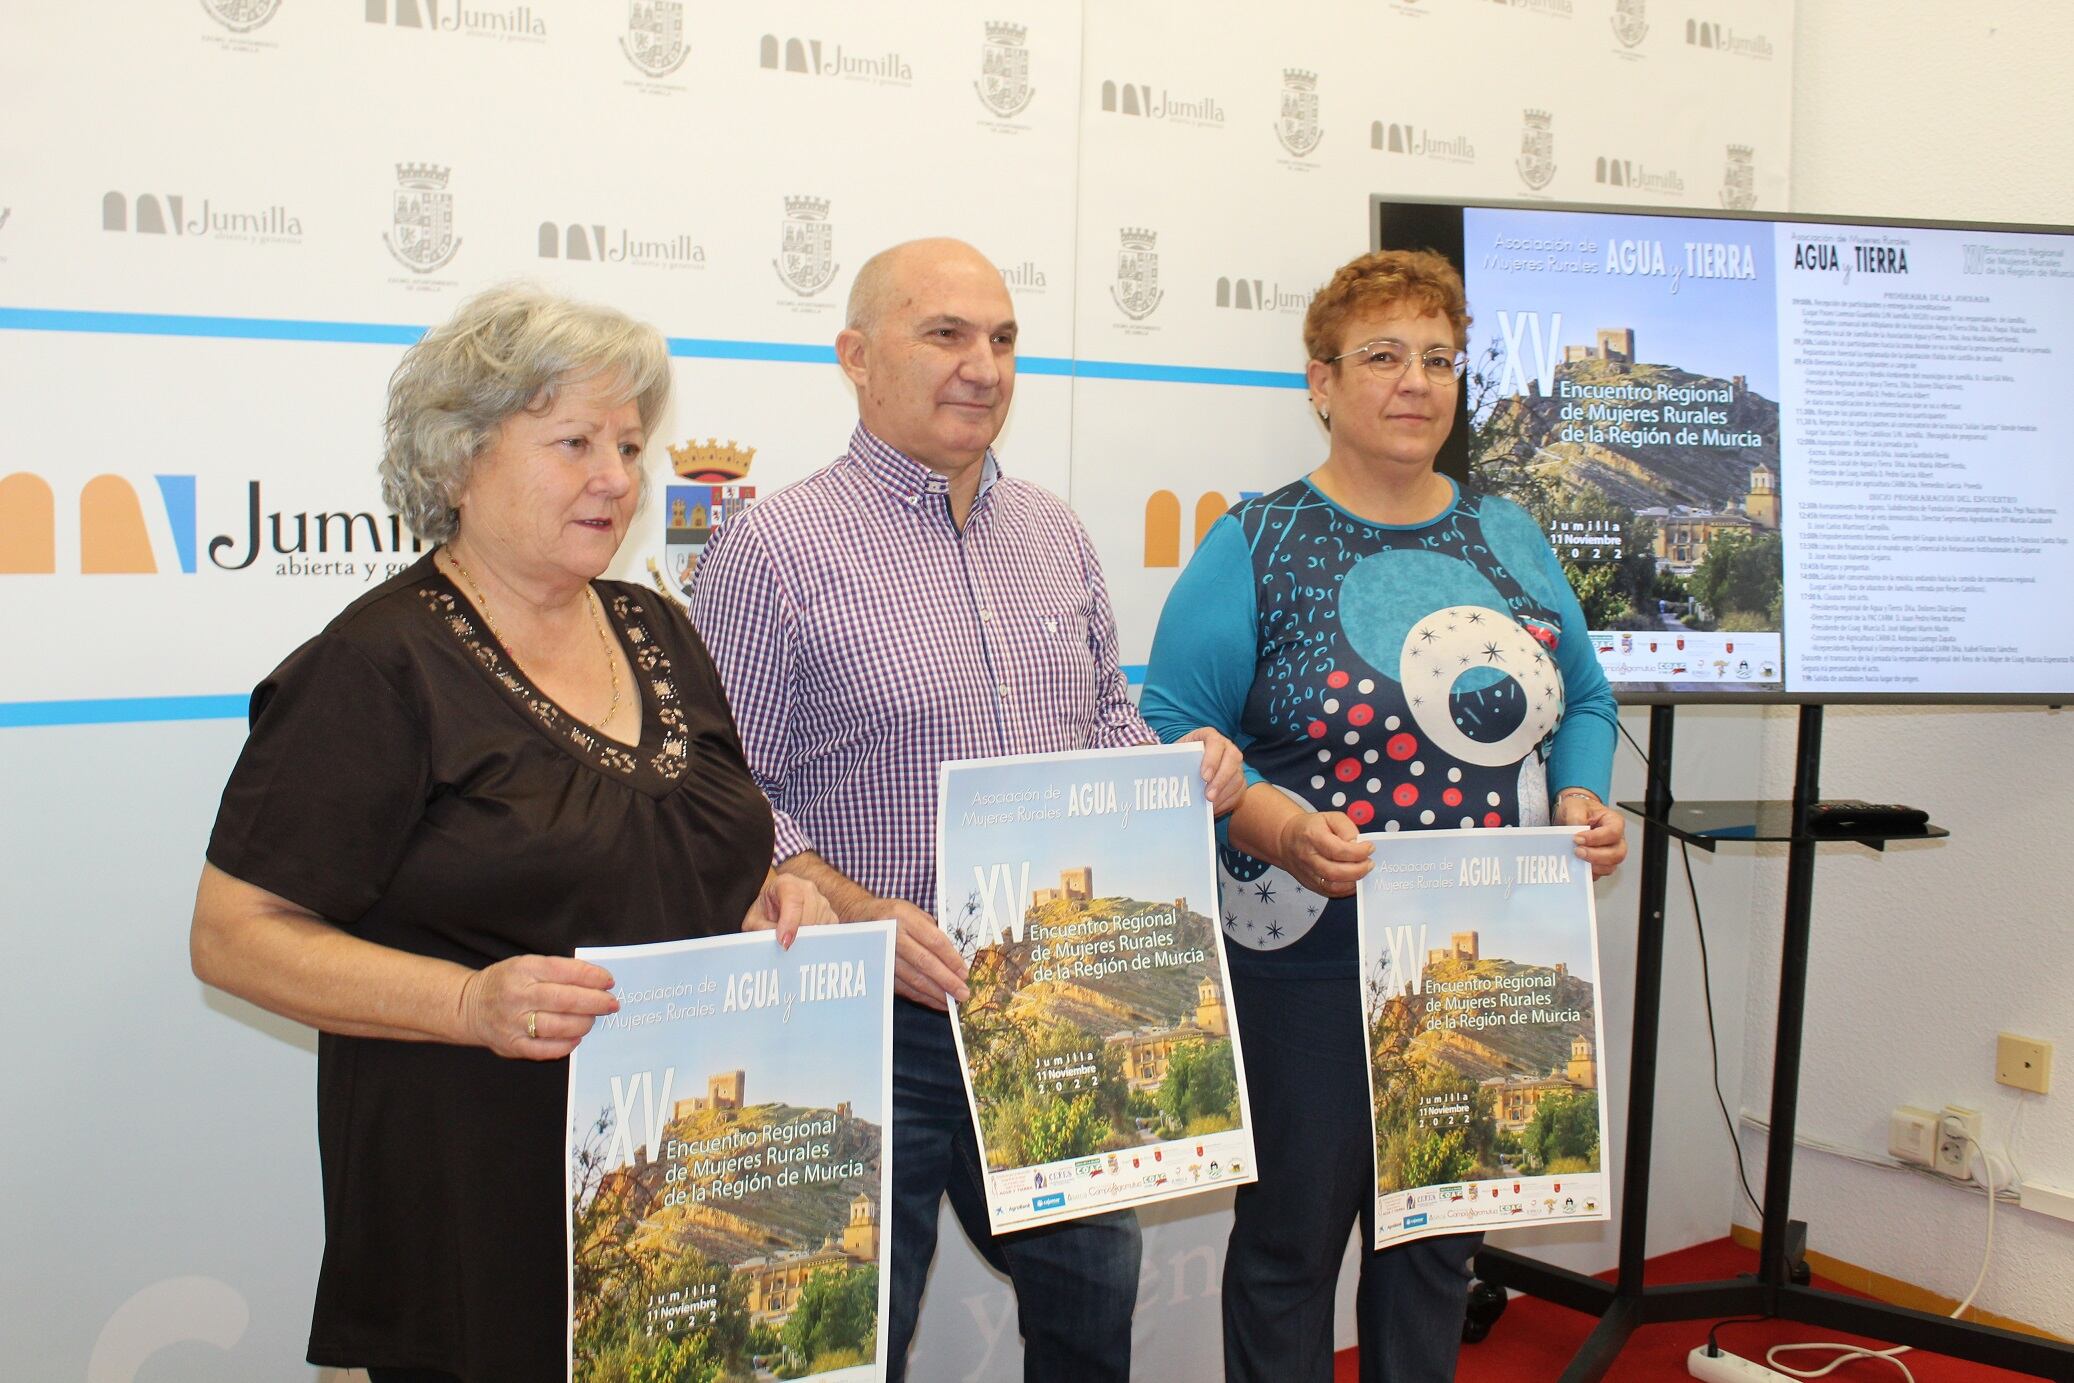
(907, 604)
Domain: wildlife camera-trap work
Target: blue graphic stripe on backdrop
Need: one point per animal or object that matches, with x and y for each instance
(125, 710)
(686, 347)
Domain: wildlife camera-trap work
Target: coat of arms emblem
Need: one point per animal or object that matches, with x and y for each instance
(654, 40)
(422, 218)
(1137, 289)
(1297, 127)
(1004, 70)
(806, 248)
(1537, 150)
(241, 16)
(1739, 181)
(694, 512)
(1630, 21)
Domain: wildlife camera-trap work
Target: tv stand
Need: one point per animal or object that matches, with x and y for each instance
(1779, 1288)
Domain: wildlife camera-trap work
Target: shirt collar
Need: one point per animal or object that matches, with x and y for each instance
(907, 478)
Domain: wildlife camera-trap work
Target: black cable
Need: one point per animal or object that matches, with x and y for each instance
(1707, 991)
(1713, 1042)
(1713, 1349)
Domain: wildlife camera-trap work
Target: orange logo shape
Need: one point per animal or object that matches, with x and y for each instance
(112, 537)
(28, 526)
(1163, 524)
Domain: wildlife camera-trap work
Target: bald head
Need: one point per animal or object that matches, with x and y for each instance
(930, 346)
(889, 279)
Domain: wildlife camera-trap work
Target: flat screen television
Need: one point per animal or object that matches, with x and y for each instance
(1783, 458)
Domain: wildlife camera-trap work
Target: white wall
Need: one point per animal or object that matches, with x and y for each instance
(1920, 955)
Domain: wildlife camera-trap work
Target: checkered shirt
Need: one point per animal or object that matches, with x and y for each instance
(863, 639)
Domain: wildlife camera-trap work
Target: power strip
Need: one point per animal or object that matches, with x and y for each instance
(1730, 1368)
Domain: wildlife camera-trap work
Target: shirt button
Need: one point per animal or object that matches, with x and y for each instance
(985, 615)
(1003, 689)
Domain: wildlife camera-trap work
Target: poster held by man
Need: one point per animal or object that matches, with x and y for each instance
(1480, 1001)
(1097, 1047)
(727, 1158)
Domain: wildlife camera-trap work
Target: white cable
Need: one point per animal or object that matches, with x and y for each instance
(1892, 1356)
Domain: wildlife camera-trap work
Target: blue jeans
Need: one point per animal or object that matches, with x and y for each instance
(1076, 1283)
(1307, 1083)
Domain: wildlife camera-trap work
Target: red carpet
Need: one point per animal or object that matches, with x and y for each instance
(1534, 1340)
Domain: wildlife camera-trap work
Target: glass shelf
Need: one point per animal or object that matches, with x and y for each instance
(1708, 823)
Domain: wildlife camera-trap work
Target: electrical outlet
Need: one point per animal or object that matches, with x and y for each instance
(1912, 1136)
(1955, 1153)
(2023, 1062)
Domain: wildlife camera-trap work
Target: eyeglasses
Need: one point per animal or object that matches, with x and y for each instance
(1393, 360)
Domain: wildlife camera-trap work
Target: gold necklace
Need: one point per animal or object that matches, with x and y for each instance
(597, 625)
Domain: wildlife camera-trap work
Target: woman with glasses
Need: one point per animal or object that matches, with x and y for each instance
(1334, 628)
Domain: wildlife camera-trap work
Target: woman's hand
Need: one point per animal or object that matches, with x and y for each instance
(1224, 770)
(1324, 851)
(786, 904)
(534, 1008)
(1603, 841)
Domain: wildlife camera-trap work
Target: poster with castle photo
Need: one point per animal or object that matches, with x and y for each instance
(1099, 1053)
(728, 1161)
(1480, 997)
(1624, 386)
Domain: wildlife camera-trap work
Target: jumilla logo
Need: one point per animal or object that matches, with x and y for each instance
(241, 16)
(1297, 127)
(166, 213)
(1625, 172)
(606, 246)
(515, 25)
(1420, 142)
(1721, 38)
(1260, 295)
(1136, 290)
(654, 40)
(808, 57)
(421, 216)
(1163, 523)
(1004, 70)
(1138, 99)
(1536, 162)
(115, 539)
(1739, 179)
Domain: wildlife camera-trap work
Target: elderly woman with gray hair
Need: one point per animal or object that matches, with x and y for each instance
(484, 763)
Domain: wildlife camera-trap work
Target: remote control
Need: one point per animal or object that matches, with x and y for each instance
(1847, 816)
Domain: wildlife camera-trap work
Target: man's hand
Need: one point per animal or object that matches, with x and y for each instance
(926, 966)
(1224, 771)
(1324, 851)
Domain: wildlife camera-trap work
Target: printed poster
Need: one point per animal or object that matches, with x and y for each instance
(1480, 994)
(1098, 1047)
(728, 1164)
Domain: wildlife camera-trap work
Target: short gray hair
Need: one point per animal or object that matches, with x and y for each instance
(508, 349)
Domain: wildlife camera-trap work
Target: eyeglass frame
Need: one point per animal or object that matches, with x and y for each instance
(1457, 367)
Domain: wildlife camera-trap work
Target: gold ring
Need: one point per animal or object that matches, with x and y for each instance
(533, 1023)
